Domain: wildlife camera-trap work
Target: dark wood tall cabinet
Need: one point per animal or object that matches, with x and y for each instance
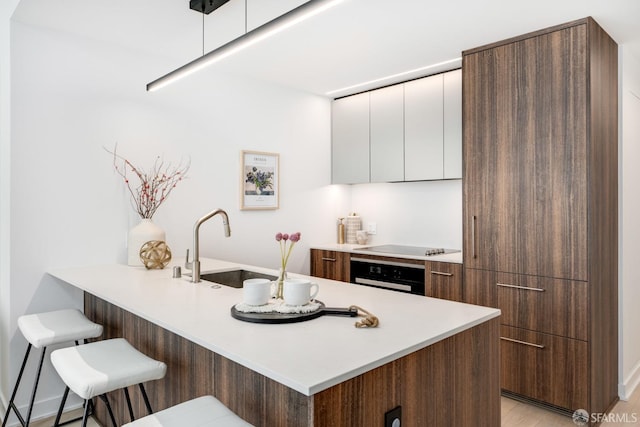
(540, 135)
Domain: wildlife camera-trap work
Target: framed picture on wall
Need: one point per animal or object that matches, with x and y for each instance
(259, 180)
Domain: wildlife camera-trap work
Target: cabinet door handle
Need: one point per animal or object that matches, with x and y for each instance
(440, 273)
(329, 259)
(530, 344)
(525, 288)
(473, 237)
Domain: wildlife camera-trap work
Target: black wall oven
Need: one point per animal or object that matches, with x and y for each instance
(395, 275)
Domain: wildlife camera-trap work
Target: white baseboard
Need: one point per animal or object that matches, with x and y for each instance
(626, 389)
(3, 405)
(43, 409)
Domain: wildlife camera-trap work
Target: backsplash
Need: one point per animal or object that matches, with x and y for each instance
(426, 213)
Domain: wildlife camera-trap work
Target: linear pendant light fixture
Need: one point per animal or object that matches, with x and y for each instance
(281, 23)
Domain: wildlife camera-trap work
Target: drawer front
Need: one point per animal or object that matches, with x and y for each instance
(332, 265)
(544, 367)
(543, 304)
(443, 280)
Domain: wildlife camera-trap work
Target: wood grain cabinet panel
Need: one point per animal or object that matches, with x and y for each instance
(544, 367)
(543, 304)
(479, 287)
(525, 172)
(540, 185)
(332, 265)
(443, 280)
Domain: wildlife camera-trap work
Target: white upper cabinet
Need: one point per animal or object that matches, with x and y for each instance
(387, 134)
(406, 132)
(350, 140)
(423, 132)
(453, 124)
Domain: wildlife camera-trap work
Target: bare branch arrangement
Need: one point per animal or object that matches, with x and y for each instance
(154, 186)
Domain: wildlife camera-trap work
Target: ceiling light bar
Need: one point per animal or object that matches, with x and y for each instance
(281, 23)
(394, 76)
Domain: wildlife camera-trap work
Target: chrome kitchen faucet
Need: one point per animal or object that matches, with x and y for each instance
(194, 265)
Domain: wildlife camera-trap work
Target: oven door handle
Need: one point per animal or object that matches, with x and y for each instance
(387, 285)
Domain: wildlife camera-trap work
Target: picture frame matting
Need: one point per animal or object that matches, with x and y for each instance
(259, 180)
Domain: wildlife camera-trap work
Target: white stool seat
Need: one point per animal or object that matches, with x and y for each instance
(94, 369)
(205, 411)
(54, 327)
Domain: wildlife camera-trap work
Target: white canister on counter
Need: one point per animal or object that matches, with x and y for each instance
(353, 224)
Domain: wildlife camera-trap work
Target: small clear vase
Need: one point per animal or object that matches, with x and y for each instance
(282, 276)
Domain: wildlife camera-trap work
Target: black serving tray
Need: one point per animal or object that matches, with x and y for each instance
(292, 317)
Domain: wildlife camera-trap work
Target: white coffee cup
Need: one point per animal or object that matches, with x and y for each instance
(256, 291)
(299, 291)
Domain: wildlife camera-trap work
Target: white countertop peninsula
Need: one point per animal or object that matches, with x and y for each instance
(308, 357)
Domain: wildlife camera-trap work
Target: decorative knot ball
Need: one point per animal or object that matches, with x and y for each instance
(155, 254)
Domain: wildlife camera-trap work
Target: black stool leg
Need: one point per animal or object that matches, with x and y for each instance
(146, 399)
(61, 408)
(33, 393)
(35, 386)
(85, 415)
(106, 402)
(87, 412)
(126, 395)
(11, 406)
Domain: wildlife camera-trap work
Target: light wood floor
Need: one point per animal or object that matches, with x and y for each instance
(518, 414)
(48, 422)
(514, 414)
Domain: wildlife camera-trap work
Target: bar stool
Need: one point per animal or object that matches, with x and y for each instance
(205, 411)
(42, 330)
(93, 370)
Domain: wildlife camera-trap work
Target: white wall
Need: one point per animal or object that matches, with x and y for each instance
(629, 234)
(71, 97)
(6, 10)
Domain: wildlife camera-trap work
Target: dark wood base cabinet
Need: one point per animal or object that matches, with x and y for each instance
(333, 265)
(443, 280)
(540, 186)
(543, 367)
(454, 382)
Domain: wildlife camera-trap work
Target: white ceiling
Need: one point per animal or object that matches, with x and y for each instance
(354, 42)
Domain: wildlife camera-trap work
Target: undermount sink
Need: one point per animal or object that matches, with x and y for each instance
(234, 278)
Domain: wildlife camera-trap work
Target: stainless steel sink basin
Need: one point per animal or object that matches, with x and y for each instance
(234, 278)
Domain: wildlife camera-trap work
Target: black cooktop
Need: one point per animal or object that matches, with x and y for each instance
(408, 250)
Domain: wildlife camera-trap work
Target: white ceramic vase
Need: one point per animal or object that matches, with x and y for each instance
(142, 233)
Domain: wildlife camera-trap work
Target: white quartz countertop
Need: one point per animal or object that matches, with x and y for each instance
(307, 356)
(455, 258)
